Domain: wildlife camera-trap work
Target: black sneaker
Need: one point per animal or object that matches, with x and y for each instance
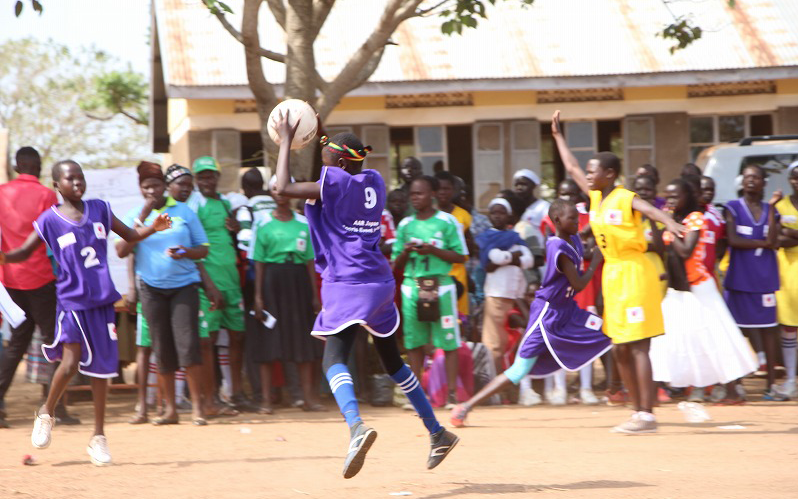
(442, 443)
(241, 403)
(362, 437)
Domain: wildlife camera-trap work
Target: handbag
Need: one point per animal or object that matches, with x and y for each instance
(428, 305)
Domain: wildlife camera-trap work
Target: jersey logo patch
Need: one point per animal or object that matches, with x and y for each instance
(614, 217)
(594, 323)
(436, 242)
(99, 230)
(301, 244)
(112, 331)
(447, 321)
(66, 240)
(769, 300)
(789, 219)
(635, 315)
(709, 237)
(592, 216)
(745, 230)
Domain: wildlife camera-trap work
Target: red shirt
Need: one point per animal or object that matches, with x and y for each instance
(714, 231)
(21, 202)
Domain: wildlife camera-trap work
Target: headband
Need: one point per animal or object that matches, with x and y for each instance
(149, 170)
(348, 152)
(527, 174)
(501, 202)
(176, 171)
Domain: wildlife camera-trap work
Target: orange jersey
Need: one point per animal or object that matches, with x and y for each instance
(694, 265)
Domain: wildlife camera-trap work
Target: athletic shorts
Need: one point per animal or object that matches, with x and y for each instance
(95, 330)
(443, 333)
(231, 317)
(143, 338)
(752, 310)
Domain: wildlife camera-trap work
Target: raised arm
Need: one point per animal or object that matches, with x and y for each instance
(568, 158)
(284, 187)
(23, 252)
(657, 215)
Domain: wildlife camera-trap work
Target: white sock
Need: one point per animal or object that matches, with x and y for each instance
(559, 380)
(762, 359)
(152, 381)
(526, 383)
(224, 366)
(789, 350)
(586, 378)
(646, 416)
(548, 383)
(180, 386)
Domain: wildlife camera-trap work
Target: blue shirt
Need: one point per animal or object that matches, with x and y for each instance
(153, 265)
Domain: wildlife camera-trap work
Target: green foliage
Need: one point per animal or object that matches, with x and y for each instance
(466, 13)
(46, 87)
(683, 29)
(118, 92)
(216, 7)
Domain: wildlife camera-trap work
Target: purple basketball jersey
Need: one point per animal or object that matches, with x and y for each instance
(741, 261)
(345, 227)
(555, 288)
(81, 251)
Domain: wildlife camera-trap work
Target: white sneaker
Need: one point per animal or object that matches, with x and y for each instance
(587, 397)
(557, 397)
(740, 389)
(696, 395)
(718, 393)
(529, 397)
(42, 427)
(98, 451)
(788, 389)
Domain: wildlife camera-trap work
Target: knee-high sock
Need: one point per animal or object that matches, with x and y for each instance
(409, 384)
(224, 367)
(526, 383)
(789, 350)
(152, 381)
(180, 385)
(586, 377)
(343, 389)
(559, 380)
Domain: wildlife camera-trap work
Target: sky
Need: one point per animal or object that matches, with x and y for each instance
(119, 27)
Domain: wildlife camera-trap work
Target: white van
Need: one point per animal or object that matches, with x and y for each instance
(725, 162)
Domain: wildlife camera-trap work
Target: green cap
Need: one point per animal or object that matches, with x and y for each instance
(205, 163)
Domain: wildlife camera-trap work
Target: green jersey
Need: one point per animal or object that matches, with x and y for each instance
(440, 230)
(282, 242)
(248, 216)
(221, 260)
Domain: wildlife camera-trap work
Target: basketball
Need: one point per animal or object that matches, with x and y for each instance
(297, 110)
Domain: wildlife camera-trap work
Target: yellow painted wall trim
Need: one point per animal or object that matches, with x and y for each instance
(655, 93)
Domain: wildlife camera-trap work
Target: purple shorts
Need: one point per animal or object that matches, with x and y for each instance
(95, 330)
(562, 339)
(347, 303)
(752, 309)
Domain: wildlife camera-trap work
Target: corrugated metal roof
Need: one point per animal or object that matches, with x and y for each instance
(553, 38)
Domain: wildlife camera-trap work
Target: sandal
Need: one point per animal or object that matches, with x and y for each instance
(314, 408)
(223, 411)
(199, 422)
(265, 410)
(138, 419)
(162, 421)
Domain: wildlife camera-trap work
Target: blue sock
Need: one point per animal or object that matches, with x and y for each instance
(409, 384)
(344, 391)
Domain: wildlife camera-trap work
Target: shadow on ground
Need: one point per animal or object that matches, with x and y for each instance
(516, 488)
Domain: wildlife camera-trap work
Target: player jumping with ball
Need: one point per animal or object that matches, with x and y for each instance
(343, 211)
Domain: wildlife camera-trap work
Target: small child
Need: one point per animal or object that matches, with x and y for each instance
(76, 231)
(559, 333)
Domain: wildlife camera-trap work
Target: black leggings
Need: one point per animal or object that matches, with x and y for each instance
(338, 346)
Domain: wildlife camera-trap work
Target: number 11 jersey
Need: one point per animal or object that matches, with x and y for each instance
(345, 226)
(81, 251)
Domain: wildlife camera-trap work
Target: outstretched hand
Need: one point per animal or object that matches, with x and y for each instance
(556, 126)
(162, 222)
(283, 126)
(675, 228)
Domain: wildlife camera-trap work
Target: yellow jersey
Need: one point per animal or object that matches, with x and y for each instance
(458, 269)
(630, 281)
(787, 295)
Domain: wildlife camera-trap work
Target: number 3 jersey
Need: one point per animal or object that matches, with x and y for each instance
(345, 226)
(81, 251)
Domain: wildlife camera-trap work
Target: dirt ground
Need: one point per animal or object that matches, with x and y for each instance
(513, 451)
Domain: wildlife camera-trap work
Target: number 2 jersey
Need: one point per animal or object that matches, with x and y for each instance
(345, 226)
(81, 251)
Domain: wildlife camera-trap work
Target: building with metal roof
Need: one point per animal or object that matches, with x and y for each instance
(480, 102)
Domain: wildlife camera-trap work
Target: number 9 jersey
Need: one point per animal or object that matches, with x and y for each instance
(345, 226)
(81, 251)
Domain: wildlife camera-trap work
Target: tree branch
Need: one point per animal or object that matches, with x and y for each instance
(261, 88)
(396, 12)
(135, 119)
(321, 9)
(278, 11)
(368, 69)
(427, 11)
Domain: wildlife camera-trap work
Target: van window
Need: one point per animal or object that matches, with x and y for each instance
(774, 164)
